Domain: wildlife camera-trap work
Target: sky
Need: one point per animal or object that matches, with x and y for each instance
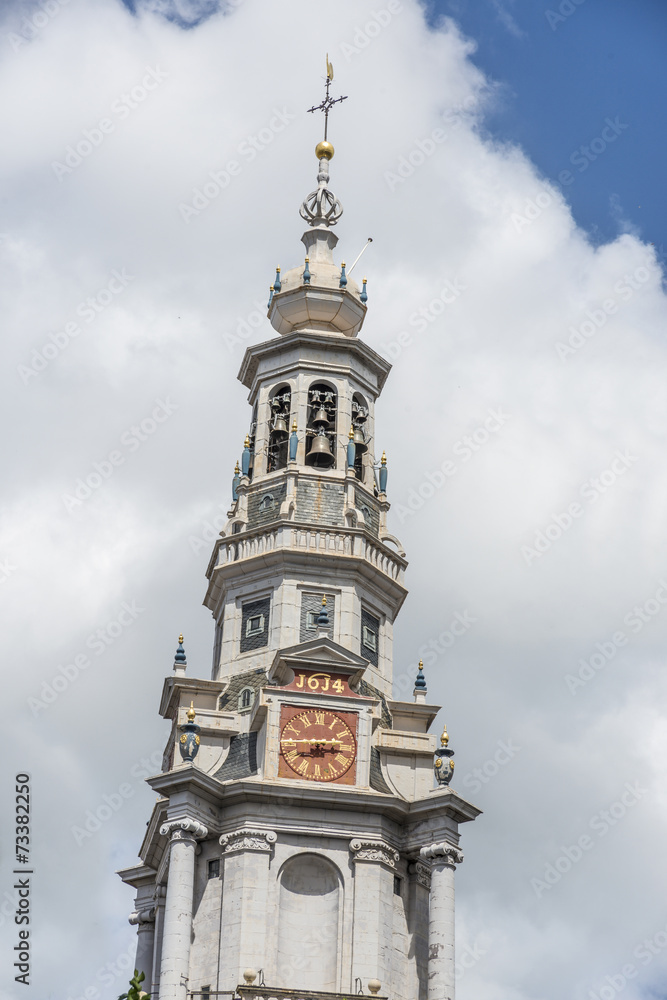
(524, 423)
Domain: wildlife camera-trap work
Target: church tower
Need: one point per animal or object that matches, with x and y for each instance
(306, 835)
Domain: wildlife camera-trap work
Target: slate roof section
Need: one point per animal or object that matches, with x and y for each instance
(241, 760)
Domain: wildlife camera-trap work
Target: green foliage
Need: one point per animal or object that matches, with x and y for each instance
(134, 991)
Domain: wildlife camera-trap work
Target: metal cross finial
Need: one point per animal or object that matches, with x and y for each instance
(328, 101)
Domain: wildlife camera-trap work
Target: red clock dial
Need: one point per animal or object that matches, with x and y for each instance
(317, 745)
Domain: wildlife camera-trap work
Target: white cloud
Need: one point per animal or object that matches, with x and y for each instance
(527, 284)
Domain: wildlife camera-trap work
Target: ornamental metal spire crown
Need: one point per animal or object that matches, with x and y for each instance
(321, 207)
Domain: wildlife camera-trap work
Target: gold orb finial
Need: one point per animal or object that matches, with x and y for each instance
(351, 434)
(324, 600)
(246, 443)
(383, 460)
(180, 638)
(324, 150)
(236, 469)
(421, 664)
(294, 427)
(444, 739)
(191, 712)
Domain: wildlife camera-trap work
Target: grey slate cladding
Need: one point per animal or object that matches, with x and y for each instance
(371, 623)
(264, 505)
(255, 609)
(376, 777)
(320, 502)
(313, 603)
(241, 761)
(368, 506)
(255, 679)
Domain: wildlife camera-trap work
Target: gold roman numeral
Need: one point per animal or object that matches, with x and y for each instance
(290, 727)
(303, 767)
(319, 718)
(342, 734)
(291, 756)
(347, 746)
(306, 721)
(316, 772)
(341, 758)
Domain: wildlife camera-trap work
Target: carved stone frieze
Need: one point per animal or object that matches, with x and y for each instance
(247, 839)
(421, 873)
(374, 850)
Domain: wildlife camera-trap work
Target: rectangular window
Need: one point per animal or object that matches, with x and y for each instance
(397, 885)
(214, 868)
(255, 624)
(206, 992)
(370, 636)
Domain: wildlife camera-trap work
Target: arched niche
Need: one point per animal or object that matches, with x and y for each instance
(280, 408)
(308, 924)
(321, 428)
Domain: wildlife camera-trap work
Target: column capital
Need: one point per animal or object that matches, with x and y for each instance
(374, 850)
(184, 829)
(142, 916)
(420, 872)
(247, 839)
(443, 853)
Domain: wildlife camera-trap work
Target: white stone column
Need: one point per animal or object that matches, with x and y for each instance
(374, 870)
(419, 888)
(178, 906)
(144, 920)
(444, 858)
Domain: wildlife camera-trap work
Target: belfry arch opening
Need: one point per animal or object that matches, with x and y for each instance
(280, 407)
(321, 426)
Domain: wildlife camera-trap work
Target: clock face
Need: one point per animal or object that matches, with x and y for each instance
(318, 745)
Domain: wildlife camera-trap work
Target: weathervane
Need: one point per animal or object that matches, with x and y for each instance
(328, 102)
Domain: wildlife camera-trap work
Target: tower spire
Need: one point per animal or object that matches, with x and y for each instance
(321, 207)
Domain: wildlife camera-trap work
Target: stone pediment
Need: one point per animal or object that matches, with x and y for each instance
(322, 654)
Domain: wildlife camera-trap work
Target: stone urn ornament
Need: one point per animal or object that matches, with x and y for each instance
(443, 765)
(188, 743)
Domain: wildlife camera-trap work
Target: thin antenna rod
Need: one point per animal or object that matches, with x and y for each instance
(369, 240)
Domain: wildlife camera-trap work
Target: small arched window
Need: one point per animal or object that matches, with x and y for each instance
(246, 699)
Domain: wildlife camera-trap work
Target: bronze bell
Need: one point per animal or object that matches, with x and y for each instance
(280, 426)
(360, 441)
(320, 454)
(321, 417)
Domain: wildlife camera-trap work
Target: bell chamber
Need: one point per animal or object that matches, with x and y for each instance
(321, 427)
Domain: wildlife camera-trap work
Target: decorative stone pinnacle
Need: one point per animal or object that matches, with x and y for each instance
(180, 661)
(420, 683)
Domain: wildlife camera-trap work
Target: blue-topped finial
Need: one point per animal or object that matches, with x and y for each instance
(364, 293)
(180, 662)
(245, 456)
(293, 443)
(383, 474)
(236, 482)
(271, 291)
(420, 683)
(306, 274)
(343, 276)
(277, 284)
(323, 617)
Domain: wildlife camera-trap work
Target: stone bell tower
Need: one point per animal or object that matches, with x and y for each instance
(306, 834)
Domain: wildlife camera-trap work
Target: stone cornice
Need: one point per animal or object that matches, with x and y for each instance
(374, 850)
(248, 839)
